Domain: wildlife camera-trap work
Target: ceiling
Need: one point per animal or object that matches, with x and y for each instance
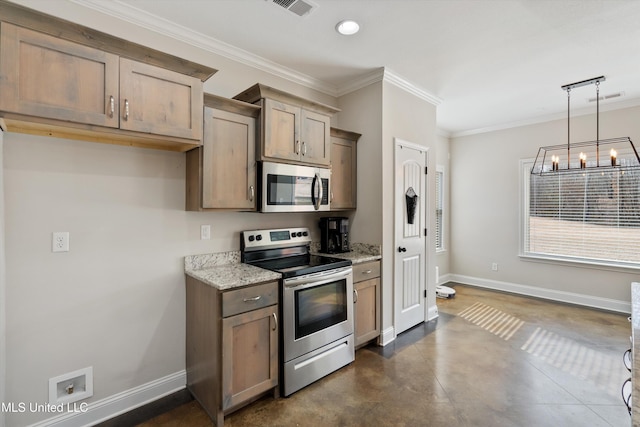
(486, 63)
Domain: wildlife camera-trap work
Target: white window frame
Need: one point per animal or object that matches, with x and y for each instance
(525, 173)
(441, 170)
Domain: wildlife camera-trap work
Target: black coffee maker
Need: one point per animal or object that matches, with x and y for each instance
(334, 235)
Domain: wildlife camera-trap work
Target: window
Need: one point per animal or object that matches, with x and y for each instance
(585, 216)
(439, 208)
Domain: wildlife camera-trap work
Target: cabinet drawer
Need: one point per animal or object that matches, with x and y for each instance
(249, 298)
(366, 271)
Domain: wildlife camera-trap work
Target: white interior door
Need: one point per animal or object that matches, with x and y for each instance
(410, 235)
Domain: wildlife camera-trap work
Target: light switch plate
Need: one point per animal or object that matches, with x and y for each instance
(205, 232)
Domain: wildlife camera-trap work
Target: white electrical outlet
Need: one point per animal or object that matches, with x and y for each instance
(60, 241)
(494, 266)
(205, 232)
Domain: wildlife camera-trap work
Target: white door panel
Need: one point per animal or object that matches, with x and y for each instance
(410, 254)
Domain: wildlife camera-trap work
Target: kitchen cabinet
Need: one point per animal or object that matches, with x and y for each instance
(343, 169)
(61, 79)
(222, 173)
(366, 285)
(294, 129)
(232, 345)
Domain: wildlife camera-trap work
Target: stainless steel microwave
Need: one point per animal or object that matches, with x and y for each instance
(294, 188)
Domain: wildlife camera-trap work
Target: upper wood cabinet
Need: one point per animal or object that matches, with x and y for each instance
(294, 129)
(159, 101)
(343, 169)
(62, 79)
(43, 76)
(222, 173)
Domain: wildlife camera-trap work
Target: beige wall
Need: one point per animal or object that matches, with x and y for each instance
(116, 300)
(485, 200)
(411, 119)
(3, 305)
(442, 258)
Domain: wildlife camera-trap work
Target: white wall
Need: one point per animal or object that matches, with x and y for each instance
(485, 202)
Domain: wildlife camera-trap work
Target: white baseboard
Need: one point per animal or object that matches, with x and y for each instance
(432, 312)
(445, 278)
(118, 404)
(387, 336)
(550, 294)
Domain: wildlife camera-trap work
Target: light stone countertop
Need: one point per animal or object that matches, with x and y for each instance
(360, 252)
(224, 271)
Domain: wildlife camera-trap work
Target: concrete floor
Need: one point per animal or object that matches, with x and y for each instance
(490, 359)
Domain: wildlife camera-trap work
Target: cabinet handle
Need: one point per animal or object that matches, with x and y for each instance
(112, 106)
(332, 196)
(275, 321)
(297, 147)
(304, 148)
(366, 272)
(252, 299)
(126, 109)
(355, 296)
(251, 193)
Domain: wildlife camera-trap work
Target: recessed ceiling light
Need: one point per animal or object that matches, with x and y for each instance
(347, 27)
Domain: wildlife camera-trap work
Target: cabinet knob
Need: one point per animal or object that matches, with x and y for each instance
(112, 106)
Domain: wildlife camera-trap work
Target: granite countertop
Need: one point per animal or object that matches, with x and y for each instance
(360, 252)
(224, 270)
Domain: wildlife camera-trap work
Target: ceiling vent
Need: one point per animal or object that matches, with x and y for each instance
(299, 7)
(610, 96)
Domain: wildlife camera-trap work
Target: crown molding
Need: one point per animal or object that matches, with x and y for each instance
(399, 81)
(141, 18)
(627, 103)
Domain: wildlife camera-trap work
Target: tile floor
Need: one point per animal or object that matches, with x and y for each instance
(490, 359)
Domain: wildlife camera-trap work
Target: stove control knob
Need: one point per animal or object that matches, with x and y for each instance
(293, 235)
(305, 234)
(299, 233)
(251, 238)
(259, 237)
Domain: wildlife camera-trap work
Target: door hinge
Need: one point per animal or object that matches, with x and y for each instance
(425, 232)
(426, 168)
(425, 293)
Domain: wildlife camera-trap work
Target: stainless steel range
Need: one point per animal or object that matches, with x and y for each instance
(316, 304)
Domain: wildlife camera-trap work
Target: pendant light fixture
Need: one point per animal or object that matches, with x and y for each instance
(614, 153)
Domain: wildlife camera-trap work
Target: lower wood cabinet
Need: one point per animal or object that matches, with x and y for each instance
(232, 345)
(366, 299)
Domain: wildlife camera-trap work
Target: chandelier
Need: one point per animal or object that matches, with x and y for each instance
(613, 153)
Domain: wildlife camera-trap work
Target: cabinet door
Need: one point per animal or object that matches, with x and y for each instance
(281, 130)
(159, 101)
(249, 355)
(229, 164)
(343, 174)
(47, 77)
(315, 139)
(367, 311)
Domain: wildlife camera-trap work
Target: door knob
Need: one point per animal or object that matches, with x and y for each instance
(401, 249)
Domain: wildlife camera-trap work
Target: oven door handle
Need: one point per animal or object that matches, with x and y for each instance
(316, 279)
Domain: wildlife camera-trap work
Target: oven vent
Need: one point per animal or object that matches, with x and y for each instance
(611, 95)
(299, 7)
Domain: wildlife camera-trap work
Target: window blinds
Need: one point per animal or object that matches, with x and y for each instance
(588, 215)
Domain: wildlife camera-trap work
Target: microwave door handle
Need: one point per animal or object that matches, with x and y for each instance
(317, 181)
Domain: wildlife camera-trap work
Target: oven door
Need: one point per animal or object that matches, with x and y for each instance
(317, 309)
(292, 188)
